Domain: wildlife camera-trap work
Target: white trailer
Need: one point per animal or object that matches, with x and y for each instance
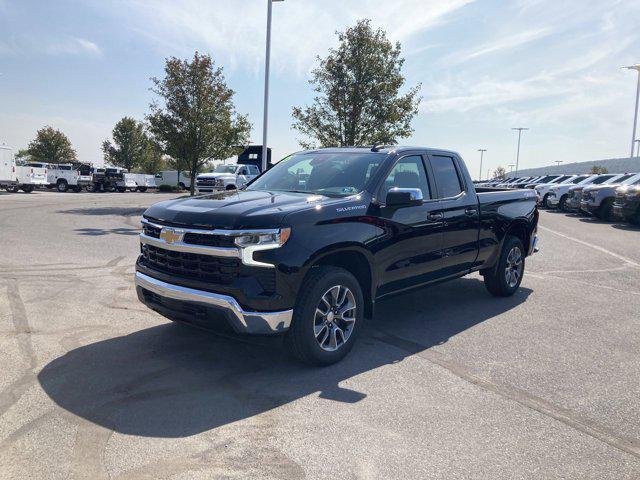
(128, 182)
(67, 176)
(170, 177)
(144, 181)
(7, 168)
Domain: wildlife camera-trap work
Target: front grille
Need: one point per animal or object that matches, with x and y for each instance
(151, 230)
(209, 240)
(205, 268)
(207, 182)
(619, 200)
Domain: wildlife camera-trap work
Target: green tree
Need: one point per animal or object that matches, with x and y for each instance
(129, 144)
(51, 146)
(500, 172)
(358, 100)
(598, 170)
(197, 120)
(152, 160)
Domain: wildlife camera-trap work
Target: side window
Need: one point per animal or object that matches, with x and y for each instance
(409, 172)
(446, 176)
(243, 171)
(253, 170)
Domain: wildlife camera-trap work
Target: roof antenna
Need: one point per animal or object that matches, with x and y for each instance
(376, 147)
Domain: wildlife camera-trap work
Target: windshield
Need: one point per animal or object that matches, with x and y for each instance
(225, 169)
(561, 179)
(333, 174)
(624, 180)
(602, 179)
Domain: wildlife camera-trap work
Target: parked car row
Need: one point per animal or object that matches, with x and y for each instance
(609, 197)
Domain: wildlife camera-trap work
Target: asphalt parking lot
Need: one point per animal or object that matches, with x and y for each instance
(446, 382)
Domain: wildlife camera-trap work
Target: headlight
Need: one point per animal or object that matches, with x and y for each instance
(275, 238)
(254, 241)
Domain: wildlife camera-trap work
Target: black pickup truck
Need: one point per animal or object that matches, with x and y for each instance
(308, 247)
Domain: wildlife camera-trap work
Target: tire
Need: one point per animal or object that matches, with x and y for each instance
(62, 186)
(301, 339)
(182, 186)
(500, 280)
(605, 212)
(545, 199)
(27, 188)
(562, 205)
(121, 189)
(142, 189)
(230, 187)
(77, 189)
(92, 188)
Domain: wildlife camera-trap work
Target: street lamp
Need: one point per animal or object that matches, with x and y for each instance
(519, 129)
(558, 162)
(635, 67)
(481, 150)
(511, 165)
(265, 119)
(638, 149)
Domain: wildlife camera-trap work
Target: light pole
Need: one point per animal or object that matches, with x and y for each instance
(481, 150)
(519, 129)
(635, 67)
(511, 165)
(558, 162)
(265, 119)
(638, 149)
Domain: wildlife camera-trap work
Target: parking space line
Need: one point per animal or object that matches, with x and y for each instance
(591, 245)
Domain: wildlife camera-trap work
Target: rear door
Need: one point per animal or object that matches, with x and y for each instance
(459, 205)
(409, 252)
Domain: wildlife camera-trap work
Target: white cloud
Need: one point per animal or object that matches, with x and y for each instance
(51, 45)
(508, 42)
(301, 29)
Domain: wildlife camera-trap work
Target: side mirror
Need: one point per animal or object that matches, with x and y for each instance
(404, 197)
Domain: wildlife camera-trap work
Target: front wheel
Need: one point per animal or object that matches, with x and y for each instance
(605, 212)
(62, 186)
(92, 188)
(504, 280)
(327, 317)
(27, 188)
(545, 201)
(563, 203)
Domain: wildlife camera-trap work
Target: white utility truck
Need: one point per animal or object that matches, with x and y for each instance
(144, 181)
(67, 176)
(30, 176)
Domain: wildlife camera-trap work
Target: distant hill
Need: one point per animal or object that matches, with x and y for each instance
(613, 165)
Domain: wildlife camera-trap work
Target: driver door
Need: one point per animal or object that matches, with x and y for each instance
(409, 252)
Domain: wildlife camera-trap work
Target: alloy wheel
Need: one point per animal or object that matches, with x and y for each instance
(335, 317)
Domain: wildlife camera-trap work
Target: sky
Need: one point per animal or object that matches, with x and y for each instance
(485, 66)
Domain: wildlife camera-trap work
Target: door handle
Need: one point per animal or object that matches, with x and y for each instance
(435, 216)
(470, 211)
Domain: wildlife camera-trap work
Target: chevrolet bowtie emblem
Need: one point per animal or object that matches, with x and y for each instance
(171, 235)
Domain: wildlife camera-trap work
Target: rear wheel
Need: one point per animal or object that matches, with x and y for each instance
(27, 188)
(562, 205)
(182, 186)
(231, 187)
(62, 185)
(142, 189)
(92, 187)
(77, 188)
(504, 280)
(545, 201)
(327, 317)
(121, 189)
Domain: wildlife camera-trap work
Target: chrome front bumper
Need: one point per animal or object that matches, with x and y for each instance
(241, 321)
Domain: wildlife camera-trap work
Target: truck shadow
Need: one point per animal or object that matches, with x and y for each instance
(100, 211)
(97, 232)
(174, 381)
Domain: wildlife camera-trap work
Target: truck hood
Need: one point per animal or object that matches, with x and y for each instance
(234, 209)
